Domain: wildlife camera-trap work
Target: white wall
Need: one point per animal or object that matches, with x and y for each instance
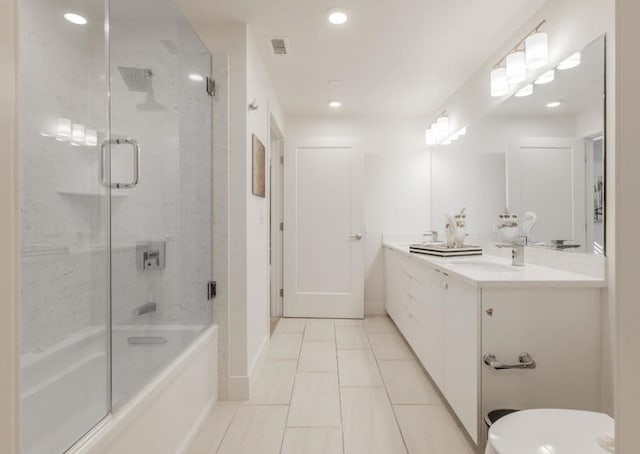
(627, 169)
(397, 181)
(9, 218)
(258, 122)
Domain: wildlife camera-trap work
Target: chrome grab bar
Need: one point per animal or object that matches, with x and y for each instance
(136, 163)
(525, 362)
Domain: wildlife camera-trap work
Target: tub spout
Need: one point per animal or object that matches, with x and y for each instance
(145, 309)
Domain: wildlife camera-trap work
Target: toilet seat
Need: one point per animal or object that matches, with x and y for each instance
(549, 431)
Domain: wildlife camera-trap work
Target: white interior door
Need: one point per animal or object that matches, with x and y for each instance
(324, 231)
(547, 176)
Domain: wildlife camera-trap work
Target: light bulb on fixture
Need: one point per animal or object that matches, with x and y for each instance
(571, 62)
(335, 104)
(545, 78)
(537, 50)
(527, 90)
(516, 67)
(499, 84)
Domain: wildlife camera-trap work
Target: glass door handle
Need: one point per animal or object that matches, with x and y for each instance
(136, 163)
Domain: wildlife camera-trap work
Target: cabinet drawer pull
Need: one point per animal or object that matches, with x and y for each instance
(525, 362)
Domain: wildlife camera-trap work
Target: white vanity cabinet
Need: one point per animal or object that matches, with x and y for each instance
(452, 312)
(438, 316)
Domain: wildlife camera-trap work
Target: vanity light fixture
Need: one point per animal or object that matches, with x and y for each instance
(75, 19)
(529, 53)
(545, 78)
(337, 16)
(196, 77)
(335, 103)
(527, 90)
(553, 104)
(570, 62)
(438, 132)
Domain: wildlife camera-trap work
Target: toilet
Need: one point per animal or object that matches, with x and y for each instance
(549, 431)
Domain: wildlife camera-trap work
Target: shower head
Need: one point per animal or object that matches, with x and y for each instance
(137, 79)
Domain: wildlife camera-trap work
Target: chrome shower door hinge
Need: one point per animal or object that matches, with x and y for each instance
(212, 290)
(211, 86)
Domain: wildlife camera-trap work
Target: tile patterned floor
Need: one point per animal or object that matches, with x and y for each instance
(335, 387)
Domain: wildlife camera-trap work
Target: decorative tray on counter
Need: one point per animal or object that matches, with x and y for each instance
(441, 250)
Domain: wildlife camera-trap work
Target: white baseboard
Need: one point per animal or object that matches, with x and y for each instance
(239, 386)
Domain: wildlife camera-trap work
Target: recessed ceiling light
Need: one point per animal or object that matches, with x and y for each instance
(335, 104)
(553, 104)
(571, 62)
(76, 19)
(196, 77)
(546, 77)
(337, 16)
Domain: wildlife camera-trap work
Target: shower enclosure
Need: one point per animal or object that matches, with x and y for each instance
(115, 167)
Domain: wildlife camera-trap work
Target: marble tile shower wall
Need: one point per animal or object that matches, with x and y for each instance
(65, 262)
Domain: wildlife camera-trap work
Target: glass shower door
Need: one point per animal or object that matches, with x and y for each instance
(161, 208)
(64, 230)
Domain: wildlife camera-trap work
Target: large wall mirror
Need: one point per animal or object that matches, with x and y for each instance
(535, 166)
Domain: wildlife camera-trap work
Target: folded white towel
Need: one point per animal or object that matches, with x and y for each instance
(607, 442)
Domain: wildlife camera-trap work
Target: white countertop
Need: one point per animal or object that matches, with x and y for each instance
(492, 271)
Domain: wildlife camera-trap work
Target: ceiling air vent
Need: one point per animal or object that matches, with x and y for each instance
(280, 46)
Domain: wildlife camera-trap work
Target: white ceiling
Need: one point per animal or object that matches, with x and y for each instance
(400, 57)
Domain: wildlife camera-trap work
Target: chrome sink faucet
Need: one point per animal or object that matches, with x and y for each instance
(517, 251)
(433, 234)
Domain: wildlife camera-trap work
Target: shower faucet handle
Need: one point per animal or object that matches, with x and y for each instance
(151, 255)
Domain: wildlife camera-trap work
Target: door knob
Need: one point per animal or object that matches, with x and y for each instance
(357, 236)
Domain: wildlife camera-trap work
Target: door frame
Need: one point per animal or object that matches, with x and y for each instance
(276, 211)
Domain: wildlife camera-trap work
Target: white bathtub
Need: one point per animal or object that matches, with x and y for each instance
(64, 388)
